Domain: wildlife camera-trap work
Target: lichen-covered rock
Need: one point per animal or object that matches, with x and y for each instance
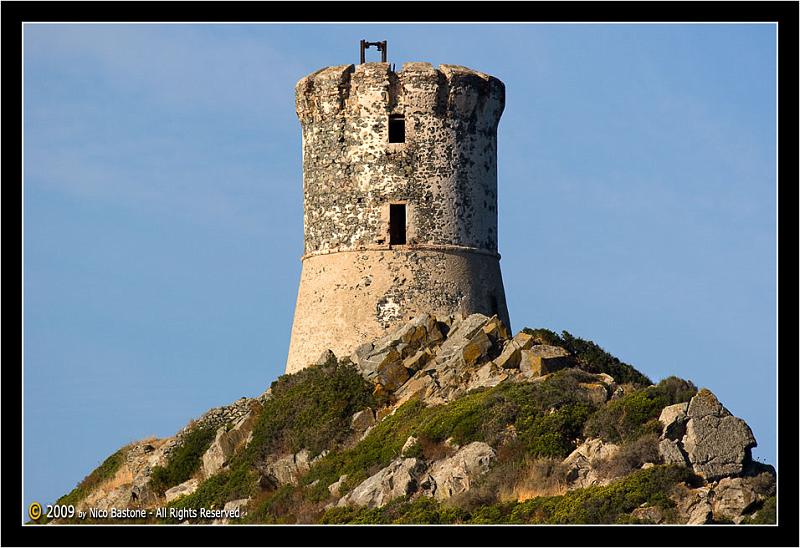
(716, 443)
(186, 488)
(705, 403)
(595, 392)
(671, 453)
(542, 359)
(461, 335)
(496, 330)
(399, 479)
(457, 473)
(420, 384)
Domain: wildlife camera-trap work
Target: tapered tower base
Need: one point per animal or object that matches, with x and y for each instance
(349, 298)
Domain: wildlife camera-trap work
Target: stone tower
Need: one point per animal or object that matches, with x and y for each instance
(400, 197)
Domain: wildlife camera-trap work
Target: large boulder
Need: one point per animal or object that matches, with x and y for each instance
(542, 359)
(457, 473)
(400, 478)
(716, 443)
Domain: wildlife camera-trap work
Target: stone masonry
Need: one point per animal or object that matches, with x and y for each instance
(359, 279)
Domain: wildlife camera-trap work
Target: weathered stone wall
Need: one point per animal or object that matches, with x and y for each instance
(349, 298)
(446, 175)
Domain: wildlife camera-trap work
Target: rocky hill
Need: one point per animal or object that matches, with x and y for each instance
(448, 420)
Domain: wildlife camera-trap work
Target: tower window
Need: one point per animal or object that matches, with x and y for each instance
(397, 128)
(397, 224)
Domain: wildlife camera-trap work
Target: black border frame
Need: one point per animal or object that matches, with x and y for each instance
(786, 15)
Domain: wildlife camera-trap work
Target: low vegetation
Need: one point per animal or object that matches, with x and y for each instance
(310, 409)
(539, 419)
(608, 504)
(532, 426)
(636, 414)
(184, 461)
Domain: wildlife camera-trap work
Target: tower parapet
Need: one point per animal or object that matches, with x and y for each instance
(400, 200)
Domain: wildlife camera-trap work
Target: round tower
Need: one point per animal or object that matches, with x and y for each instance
(400, 198)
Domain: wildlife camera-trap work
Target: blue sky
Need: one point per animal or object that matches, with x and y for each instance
(163, 210)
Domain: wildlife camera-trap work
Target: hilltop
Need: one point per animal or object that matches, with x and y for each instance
(450, 420)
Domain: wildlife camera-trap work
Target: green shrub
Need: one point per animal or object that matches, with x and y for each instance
(546, 417)
(104, 472)
(310, 409)
(636, 414)
(591, 357)
(608, 504)
(235, 483)
(184, 461)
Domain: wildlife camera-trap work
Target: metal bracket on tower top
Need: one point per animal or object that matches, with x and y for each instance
(381, 48)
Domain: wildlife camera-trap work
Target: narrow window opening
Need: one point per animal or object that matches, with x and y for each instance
(397, 128)
(397, 224)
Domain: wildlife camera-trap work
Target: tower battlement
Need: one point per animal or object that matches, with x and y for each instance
(452, 91)
(400, 201)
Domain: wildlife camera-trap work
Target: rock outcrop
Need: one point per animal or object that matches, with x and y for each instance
(581, 463)
(438, 361)
(704, 435)
(226, 443)
(399, 479)
(456, 474)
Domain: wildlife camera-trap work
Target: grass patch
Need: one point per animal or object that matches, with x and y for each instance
(184, 461)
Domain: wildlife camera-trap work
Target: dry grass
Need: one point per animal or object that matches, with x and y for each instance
(539, 477)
